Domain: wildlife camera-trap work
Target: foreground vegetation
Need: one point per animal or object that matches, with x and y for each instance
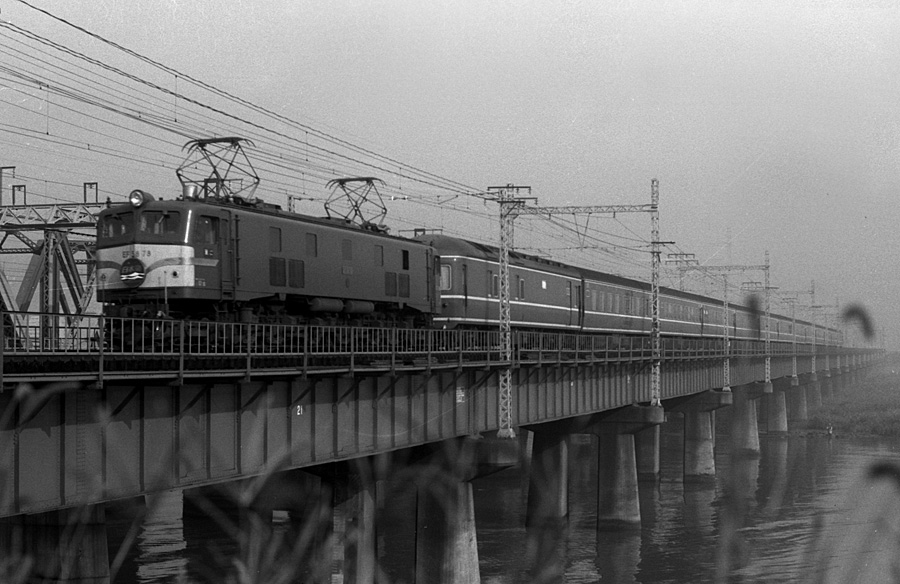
(868, 407)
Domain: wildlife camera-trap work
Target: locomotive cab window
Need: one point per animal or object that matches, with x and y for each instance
(206, 230)
(159, 222)
(405, 257)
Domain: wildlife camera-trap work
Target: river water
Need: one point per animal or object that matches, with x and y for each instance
(803, 508)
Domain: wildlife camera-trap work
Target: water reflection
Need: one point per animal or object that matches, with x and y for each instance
(161, 545)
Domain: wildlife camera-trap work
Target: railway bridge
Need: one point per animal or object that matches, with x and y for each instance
(274, 417)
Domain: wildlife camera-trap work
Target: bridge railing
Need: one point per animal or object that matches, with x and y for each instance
(308, 345)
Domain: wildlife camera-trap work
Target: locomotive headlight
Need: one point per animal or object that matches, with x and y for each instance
(138, 197)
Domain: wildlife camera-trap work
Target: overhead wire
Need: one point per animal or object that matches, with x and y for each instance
(288, 152)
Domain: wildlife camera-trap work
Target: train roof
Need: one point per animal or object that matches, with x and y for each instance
(446, 245)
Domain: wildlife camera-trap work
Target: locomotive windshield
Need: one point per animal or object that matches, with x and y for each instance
(142, 226)
(160, 222)
(117, 225)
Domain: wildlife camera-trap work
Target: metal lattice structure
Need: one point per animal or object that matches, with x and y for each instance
(365, 207)
(509, 202)
(218, 168)
(50, 235)
(688, 264)
(511, 206)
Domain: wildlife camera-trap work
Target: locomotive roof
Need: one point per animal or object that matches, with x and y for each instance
(262, 208)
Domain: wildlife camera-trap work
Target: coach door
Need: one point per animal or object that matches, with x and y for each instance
(579, 306)
(465, 285)
(227, 256)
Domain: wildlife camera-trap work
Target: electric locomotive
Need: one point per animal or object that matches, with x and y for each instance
(233, 260)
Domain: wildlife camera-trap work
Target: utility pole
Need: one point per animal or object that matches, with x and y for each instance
(685, 259)
(685, 265)
(2, 170)
(511, 206)
(792, 298)
(508, 198)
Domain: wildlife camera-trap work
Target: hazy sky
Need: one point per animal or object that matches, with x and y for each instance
(774, 123)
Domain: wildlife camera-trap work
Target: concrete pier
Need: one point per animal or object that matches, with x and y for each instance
(446, 544)
(354, 513)
(618, 500)
(827, 386)
(814, 392)
(548, 481)
(776, 407)
(745, 428)
(646, 444)
(547, 509)
(796, 398)
(700, 432)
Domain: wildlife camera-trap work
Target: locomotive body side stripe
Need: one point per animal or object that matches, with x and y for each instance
(165, 265)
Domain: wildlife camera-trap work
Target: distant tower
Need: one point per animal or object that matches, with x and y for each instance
(729, 247)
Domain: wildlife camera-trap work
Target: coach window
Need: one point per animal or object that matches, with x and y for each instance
(312, 245)
(274, 239)
(206, 230)
(446, 278)
(495, 284)
(347, 250)
(521, 288)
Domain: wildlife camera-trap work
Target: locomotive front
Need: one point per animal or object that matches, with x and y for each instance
(156, 257)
